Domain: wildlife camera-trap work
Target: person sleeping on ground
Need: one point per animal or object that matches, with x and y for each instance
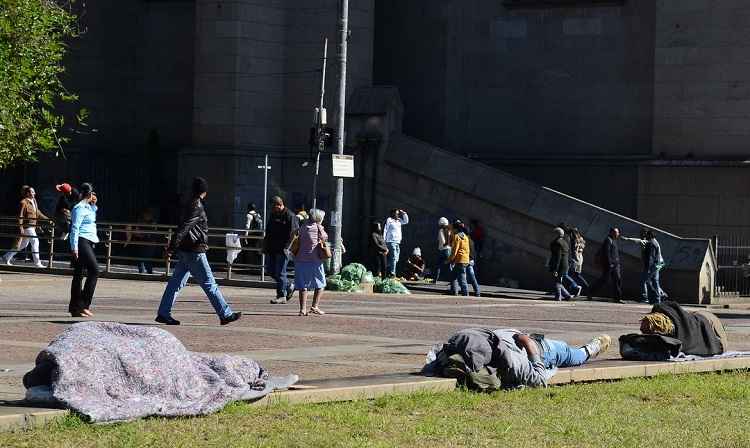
(669, 330)
(486, 359)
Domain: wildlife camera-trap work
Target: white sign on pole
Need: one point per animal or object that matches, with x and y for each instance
(343, 165)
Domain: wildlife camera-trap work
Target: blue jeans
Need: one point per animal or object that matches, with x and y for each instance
(579, 279)
(459, 277)
(443, 256)
(560, 354)
(650, 287)
(394, 251)
(570, 280)
(472, 278)
(560, 291)
(196, 264)
(276, 266)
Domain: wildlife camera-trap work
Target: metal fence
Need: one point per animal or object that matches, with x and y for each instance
(733, 258)
(123, 245)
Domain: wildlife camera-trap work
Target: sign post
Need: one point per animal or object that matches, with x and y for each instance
(343, 165)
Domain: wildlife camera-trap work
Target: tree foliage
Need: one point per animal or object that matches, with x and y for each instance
(33, 35)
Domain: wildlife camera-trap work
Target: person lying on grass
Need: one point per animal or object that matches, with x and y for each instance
(487, 359)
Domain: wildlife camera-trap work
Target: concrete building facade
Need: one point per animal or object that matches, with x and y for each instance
(618, 103)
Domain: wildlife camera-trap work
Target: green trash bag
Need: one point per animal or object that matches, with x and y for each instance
(336, 283)
(390, 286)
(353, 272)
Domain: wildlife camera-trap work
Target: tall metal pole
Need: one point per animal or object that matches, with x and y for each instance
(320, 125)
(337, 221)
(265, 215)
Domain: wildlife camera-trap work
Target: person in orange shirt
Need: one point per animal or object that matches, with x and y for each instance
(460, 258)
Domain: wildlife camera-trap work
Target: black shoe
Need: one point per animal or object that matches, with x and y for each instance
(167, 320)
(289, 294)
(231, 318)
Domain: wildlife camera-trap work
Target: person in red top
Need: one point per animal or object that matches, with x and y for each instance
(477, 235)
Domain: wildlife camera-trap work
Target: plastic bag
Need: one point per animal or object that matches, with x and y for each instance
(337, 283)
(353, 272)
(368, 278)
(390, 286)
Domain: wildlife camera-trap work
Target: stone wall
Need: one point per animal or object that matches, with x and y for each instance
(696, 200)
(484, 80)
(702, 92)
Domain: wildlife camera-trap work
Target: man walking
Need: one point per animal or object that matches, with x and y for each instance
(27, 227)
(190, 242)
(653, 262)
(559, 264)
(281, 226)
(392, 236)
(608, 258)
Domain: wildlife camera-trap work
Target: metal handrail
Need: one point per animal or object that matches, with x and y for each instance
(109, 229)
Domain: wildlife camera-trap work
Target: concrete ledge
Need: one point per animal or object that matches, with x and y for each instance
(358, 388)
(13, 418)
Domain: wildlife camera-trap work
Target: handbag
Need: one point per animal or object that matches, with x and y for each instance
(294, 245)
(322, 249)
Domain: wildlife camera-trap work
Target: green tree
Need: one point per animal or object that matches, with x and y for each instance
(33, 35)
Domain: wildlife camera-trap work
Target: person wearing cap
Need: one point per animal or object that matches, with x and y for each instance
(69, 197)
(82, 239)
(27, 220)
(460, 258)
(281, 226)
(415, 265)
(392, 235)
(190, 243)
(444, 246)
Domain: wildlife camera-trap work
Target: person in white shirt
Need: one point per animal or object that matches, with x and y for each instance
(444, 246)
(392, 236)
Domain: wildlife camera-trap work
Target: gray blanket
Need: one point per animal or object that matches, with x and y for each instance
(113, 372)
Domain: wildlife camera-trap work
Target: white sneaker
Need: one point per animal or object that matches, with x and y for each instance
(598, 345)
(278, 300)
(8, 262)
(40, 265)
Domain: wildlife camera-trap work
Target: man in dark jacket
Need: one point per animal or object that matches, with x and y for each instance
(558, 263)
(190, 241)
(282, 225)
(609, 259)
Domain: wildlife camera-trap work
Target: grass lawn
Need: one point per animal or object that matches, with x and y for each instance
(710, 410)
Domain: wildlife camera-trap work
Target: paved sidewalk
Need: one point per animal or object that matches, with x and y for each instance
(360, 335)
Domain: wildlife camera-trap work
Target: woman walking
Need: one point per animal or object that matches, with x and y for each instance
(82, 240)
(308, 262)
(579, 244)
